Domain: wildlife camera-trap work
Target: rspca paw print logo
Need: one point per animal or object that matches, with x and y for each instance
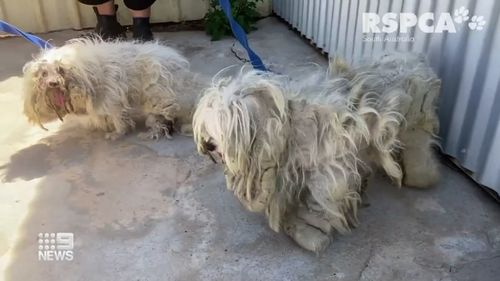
(461, 15)
(477, 23)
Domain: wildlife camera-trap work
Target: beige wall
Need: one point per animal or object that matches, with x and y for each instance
(49, 15)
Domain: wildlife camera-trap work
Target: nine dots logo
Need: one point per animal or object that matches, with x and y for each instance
(46, 241)
(56, 246)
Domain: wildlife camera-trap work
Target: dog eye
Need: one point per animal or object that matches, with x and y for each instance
(44, 73)
(208, 146)
(60, 70)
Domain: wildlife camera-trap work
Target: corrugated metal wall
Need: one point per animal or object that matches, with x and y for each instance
(467, 61)
(49, 15)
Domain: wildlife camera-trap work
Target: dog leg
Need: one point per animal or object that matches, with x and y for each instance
(158, 127)
(420, 165)
(121, 123)
(263, 191)
(337, 199)
(365, 174)
(159, 108)
(307, 236)
(97, 123)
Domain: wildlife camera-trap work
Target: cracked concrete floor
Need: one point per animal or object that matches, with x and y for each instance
(158, 211)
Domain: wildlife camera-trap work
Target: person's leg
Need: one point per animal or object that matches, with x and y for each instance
(146, 13)
(107, 26)
(106, 8)
(141, 11)
(142, 29)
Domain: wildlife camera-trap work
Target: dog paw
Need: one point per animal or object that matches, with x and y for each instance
(315, 219)
(146, 136)
(156, 134)
(150, 135)
(113, 136)
(307, 236)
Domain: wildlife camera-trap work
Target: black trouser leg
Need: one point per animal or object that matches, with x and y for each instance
(136, 4)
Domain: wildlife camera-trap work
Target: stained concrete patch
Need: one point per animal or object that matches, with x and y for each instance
(429, 205)
(461, 246)
(494, 237)
(123, 173)
(396, 262)
(180, 147)
(482, 269)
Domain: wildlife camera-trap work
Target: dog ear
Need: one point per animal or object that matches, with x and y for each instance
(81, 78)
(29, 67)
(33, 67)
(257, 138)
(30, 90)
(29, 106)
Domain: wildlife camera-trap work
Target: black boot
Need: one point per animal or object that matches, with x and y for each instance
(98, 26)
(108, 27)
(142, 30)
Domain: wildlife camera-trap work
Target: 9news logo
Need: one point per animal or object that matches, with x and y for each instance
(55, 246)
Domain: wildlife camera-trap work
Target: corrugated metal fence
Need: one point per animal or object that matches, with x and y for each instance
(468, 62)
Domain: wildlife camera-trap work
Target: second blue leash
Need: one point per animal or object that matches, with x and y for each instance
(37, 41)
(241, 36)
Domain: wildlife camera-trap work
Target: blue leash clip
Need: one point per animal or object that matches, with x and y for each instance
(241, 36)
(37, 41)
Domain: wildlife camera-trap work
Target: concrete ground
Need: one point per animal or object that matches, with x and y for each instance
(158, 211)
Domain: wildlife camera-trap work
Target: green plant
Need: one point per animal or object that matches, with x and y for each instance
(244, 12)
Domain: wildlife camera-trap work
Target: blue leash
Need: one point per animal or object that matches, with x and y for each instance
(42, 44)
(241, 36)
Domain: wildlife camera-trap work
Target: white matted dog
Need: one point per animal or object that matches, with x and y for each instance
(112, 85)
(300, 152)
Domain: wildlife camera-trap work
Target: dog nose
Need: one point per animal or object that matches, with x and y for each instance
(53, 83)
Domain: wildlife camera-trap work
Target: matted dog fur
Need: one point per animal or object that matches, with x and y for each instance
(111, 85)
(301, 152)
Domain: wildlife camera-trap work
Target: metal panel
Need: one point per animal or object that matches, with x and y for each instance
(467, 61)
(49, 15)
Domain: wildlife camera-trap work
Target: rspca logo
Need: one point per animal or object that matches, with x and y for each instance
(55, 246)
(372, 23)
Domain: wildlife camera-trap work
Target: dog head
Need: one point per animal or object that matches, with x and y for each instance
(50, 78)
(46, 92)
(243, 121)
